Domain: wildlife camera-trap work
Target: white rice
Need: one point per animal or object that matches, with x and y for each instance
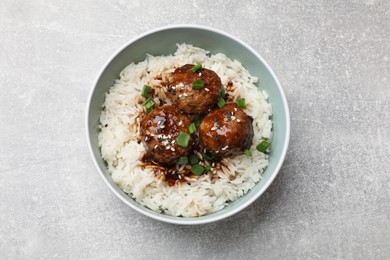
(120, 133)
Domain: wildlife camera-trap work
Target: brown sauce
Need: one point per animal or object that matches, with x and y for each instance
(177, 174)
(172, 173)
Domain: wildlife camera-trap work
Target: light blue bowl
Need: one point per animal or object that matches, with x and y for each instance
(162, 41)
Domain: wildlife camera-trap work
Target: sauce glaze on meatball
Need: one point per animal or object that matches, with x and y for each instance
(190, 100)
(226, 131)
(159, 132)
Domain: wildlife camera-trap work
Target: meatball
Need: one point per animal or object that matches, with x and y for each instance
(226, 131)
(159, 133)
(194, 101)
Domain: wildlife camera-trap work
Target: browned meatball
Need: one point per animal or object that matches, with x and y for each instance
(159, 132)
(193, 101)
(226, 131)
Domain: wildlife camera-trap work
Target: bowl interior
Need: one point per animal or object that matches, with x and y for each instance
(163, 42)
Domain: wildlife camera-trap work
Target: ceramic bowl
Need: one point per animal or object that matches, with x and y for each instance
(162, 41)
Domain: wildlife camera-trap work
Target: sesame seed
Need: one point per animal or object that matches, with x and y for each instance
(179, 177)
(200, 74)
(238, 120)
(173, 141)
(233, 117)
(163, 126)
(173, 87)
(224, 148)
(235, 109)
(207, 89)
(185, 94)
(213, 128)
(180, 123)
(155, 146)
(180, 84)
(172, 149)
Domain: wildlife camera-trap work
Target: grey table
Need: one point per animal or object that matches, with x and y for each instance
(331, 198)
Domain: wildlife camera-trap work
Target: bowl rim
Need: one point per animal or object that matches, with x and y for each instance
(195, 220)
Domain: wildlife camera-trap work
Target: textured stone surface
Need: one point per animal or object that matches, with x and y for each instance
(331, 198)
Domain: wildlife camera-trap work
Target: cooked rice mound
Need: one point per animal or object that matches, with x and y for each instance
(119, 138)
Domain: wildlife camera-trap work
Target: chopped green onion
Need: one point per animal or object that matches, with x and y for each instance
(197, 169)
(146, 91)
(197, 84)
(183, 139)
(197, 123)
(248, 152)
(241, 102)
(193, 160)
(263, 146)
(223, 92)
(182, 160)
(196, 67)
(221, 102)
(207, 168)
(149, 103)
(208, 156)
(192, 128)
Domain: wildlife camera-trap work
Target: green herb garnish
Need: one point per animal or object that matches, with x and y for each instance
(197, 169)
(182, 160)
(146, 91)
(263, 146)
(196, 67)
(197, 84)
(248, 152)
(223, 93)
(197, 123)
(192, 128)
(221, 102)
(241, 102)
(149, 103)
(193, 160)
(207, 168)
(208, 156)
(183, 139)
